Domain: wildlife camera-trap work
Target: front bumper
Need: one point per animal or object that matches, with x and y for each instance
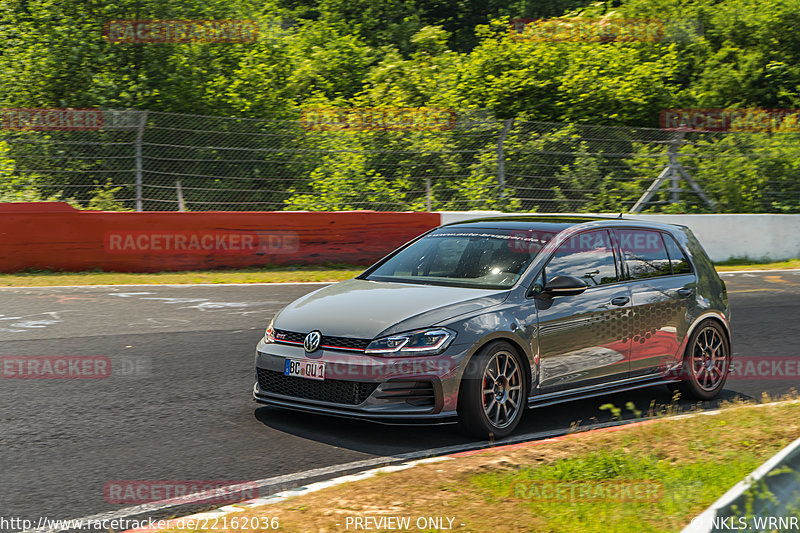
(384, 418)
(392, 390)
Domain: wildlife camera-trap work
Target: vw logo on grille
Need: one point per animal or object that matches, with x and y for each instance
(311, 342)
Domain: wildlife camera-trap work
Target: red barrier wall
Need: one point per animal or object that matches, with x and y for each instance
(54, 236)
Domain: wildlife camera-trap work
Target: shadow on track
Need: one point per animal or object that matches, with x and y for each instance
(392, 440)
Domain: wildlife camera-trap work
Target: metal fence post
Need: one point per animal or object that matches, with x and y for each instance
(139, 165)
(179, 192)
(674, 177)
(675, 172)
(428, 192)
(501, 157)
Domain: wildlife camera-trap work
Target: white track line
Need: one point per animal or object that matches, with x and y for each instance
(729, 272)
(266, 483)
(385, 461)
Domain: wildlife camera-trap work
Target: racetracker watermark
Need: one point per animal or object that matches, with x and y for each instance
(621, 490)
(390, 368)
(73, 366)
(746, 368)
(378, 118)
(632, 241)
(51, 119)
(55, 367)
(587, 30)
(181, 31)
(750, 368)
(604, 30)
(202, 242)
(733, 120)
(133, 492)
(144, 524)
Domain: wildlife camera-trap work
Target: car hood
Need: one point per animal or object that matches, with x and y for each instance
(367, 309)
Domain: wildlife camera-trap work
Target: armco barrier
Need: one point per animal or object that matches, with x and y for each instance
(766, 500)
(750, 236)
(54, 236)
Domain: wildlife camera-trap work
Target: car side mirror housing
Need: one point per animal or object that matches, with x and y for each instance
(565, 286)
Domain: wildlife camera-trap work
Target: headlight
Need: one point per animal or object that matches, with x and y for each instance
(421, 342)
(269, 335)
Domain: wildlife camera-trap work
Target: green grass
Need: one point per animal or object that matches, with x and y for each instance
(692, 461)
(268, 274)
(732, 265)
(261, 275)
(691, 481)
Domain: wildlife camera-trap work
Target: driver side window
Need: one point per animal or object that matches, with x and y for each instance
(587, 256)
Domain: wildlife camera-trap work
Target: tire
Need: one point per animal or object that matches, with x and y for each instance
(706, 363)
(493, 411)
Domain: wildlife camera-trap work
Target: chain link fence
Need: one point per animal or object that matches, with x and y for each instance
(140, 160)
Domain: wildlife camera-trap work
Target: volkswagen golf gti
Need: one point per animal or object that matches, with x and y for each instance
(476, 321)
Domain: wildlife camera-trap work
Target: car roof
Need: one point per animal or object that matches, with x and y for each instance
(555, 223)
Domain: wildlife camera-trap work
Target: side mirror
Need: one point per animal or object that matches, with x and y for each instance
(565, 286)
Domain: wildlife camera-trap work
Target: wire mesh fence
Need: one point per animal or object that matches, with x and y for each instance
(140, 160)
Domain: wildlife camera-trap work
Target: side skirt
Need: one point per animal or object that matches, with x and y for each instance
(543, 400)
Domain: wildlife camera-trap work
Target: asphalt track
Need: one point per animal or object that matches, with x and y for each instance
(177, 405)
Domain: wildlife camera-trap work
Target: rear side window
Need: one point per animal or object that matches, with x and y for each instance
(680, 265)
(587, 256)
(644, 252)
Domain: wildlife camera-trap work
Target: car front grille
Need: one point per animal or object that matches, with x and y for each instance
(327, 342)
(330, 390)
(289, 337)
(336, 343)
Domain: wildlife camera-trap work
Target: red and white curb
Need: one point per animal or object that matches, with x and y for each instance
(541, 439)
(246, 505)
(425, 457)
(376, 465)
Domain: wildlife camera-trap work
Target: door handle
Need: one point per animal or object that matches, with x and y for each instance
(620, 300)
(685, 292)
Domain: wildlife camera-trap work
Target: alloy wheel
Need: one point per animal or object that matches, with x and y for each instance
(709, 360)
(502, 389)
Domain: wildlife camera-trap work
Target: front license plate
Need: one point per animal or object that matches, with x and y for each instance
(304, 369)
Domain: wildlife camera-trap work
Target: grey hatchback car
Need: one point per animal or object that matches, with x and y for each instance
(475, 321)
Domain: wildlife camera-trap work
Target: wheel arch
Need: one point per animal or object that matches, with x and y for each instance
(684, 371)
(515, 342)
(713, 316)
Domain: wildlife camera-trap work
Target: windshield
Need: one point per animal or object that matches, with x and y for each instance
(464, 257)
